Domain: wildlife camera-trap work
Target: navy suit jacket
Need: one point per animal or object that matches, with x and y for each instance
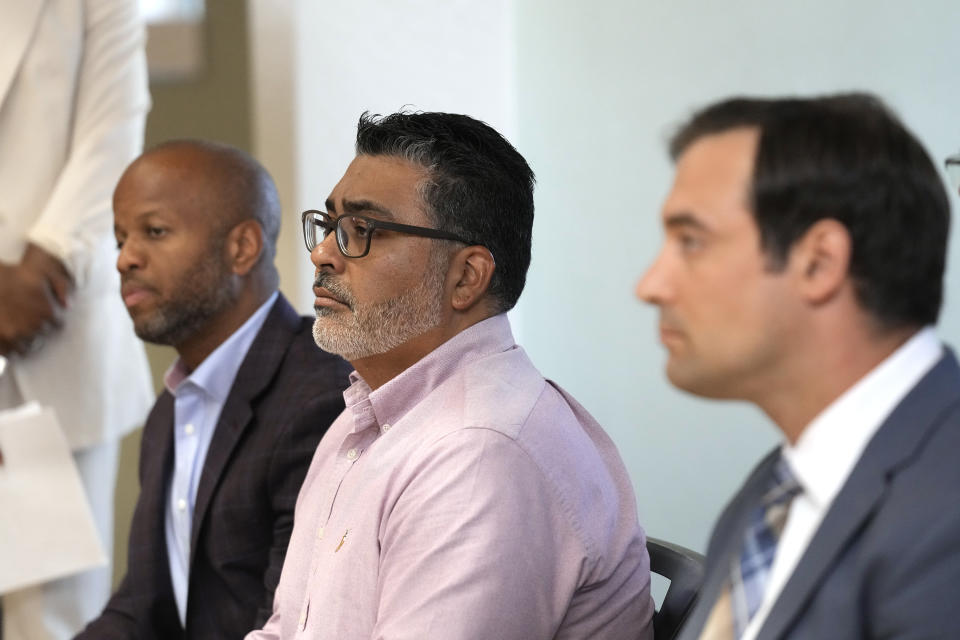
(285, 395)
(885, 562)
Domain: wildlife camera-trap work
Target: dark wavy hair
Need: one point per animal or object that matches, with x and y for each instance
(477, 186)
(848, 158)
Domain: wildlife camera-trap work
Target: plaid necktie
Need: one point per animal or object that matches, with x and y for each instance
(742, 594)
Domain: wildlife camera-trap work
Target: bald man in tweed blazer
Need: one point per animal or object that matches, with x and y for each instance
(227, 444)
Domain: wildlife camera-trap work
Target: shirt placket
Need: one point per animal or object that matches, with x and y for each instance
(349, 453)
(189, 413)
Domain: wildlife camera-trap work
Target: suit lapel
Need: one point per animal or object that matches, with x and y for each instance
(17, 28)
(156, 464)
(851, 509)
(256, 371)
(726, 541)
(891, 448)
(149, 529)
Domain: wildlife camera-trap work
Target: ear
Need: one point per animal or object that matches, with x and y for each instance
(470, 271)
(821, 260)
(244, 246)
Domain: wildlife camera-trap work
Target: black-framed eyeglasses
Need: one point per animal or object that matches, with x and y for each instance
(354, 232)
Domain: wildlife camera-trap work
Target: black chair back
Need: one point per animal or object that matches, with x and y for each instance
(684, 569)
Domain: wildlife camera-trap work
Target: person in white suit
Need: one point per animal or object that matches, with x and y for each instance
(73, 102)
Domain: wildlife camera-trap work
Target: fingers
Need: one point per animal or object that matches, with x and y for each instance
(59, 282)
(54, 313)
(30, 310)
(51, 269)
(61, 290)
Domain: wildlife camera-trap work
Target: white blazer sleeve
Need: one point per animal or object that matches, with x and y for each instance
(111, 103)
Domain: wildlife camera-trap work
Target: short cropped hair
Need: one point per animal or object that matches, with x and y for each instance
(477, 185)
(848, 158)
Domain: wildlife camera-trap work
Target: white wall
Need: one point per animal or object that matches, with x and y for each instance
(319, 65)
(600, 86)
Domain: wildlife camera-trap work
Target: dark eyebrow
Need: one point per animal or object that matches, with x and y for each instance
(361, 206)
(143, 215)
(684, 220)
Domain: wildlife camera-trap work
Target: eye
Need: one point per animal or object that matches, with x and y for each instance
(324, 225)
(358, 227)
(689, 242)
(156, 232)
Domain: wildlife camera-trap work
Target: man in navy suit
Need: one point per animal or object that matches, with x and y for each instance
(802, 270)
(228, 442)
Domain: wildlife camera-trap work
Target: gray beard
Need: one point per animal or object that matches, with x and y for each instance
(368, 330)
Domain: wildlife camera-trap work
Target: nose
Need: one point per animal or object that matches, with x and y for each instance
(129, 257)
(326, 255)
(653, 288)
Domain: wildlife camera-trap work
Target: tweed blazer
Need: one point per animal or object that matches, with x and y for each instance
(285, 395)
(885, 561)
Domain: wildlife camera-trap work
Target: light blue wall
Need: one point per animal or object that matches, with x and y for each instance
(600, 86)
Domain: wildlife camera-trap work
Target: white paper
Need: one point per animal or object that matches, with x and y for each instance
(46, 526)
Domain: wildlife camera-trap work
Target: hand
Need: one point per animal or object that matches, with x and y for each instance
(33, 297)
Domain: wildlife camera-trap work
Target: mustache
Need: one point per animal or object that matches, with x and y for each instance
(129, 281)
(339, 290)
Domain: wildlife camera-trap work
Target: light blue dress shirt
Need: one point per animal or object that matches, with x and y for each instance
(199, 397)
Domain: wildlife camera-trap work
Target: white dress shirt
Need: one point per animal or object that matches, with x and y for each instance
(830, 447)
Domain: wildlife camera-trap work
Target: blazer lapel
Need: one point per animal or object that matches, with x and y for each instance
(255, 373)
(16, 32)
(157, 465)
(727, 540)
(891, 448)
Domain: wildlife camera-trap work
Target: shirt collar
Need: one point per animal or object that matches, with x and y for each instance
(216, 373)
(830, 446)
(394, 399)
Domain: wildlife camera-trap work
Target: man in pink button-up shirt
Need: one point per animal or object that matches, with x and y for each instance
(460, 495)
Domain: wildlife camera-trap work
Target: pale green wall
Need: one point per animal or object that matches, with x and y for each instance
(600, 86)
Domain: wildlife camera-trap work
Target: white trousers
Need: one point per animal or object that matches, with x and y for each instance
(58, 610)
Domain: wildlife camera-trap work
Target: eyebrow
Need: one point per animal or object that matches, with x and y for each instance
(684, 220)
(360, 206)
(141, 216)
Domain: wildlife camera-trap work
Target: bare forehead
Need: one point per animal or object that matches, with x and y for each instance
(380, 177)
(171, 180)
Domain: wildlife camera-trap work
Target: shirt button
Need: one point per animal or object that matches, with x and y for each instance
(320, 533)
(352, 454)
(181, 505)
(188, 429)
(385, 427)
(302, 622)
